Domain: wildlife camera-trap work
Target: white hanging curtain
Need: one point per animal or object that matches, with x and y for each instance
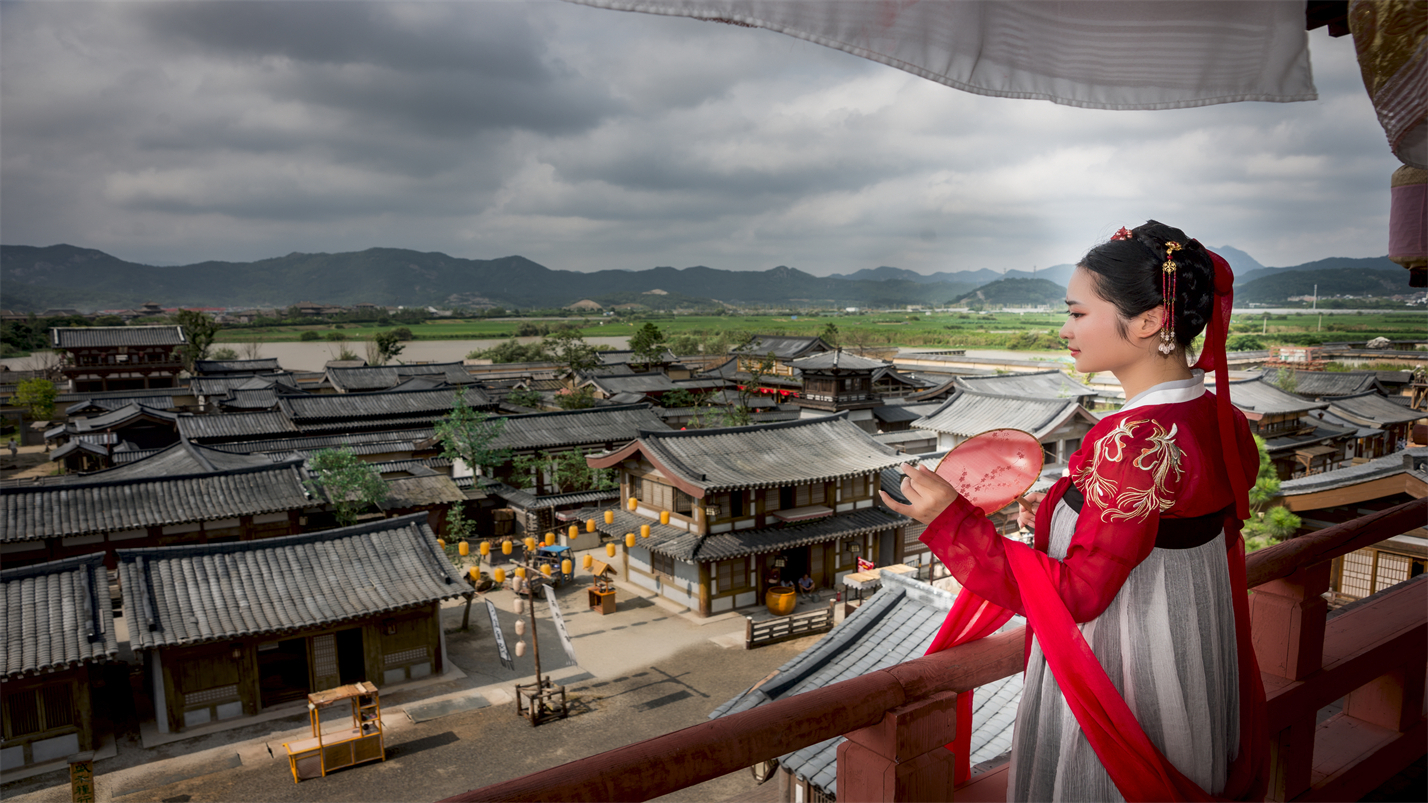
(1100, 54)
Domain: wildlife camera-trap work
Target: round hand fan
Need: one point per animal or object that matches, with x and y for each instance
(993, 469)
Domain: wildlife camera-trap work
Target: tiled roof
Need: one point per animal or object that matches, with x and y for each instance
(234, 426)
(526, 500)
(1317, 384)
(56, 616)
(622, 357)
(420, 489)
(398, 441)
(1372, 408)
(653, 382)
(194, 594)
(50, 511)
(219, 385)
(120, 417)
(1408, 460)
(1323, 432)
(1038, 385)
(837, 361)
(1262, 398)
(967, 414)
(904, 377)
(783, 348)
(126, 396)
(367, 378)
(260, 365)
(683, 545)
(307, 409)
(105, 336)
(155, 402)
(893, 626)
(238, 400)
(899, 413)
(762, 455)
(596, 426)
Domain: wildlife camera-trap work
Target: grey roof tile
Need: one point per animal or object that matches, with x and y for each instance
(256, 366)
(838, 360)
(56, 616)
(105, 336)
(308, 410)
(235, 426)
(1262, 398)
(683, 545)
(1052, 384)
(596, 426)
(969, 413)
(195, 594)
(1407, 460)
(1372, 409)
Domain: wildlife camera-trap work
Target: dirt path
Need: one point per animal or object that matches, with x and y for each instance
(31, 461)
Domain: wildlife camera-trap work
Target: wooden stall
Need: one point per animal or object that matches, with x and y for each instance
(361, 741)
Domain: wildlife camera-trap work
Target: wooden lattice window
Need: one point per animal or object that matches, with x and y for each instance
(662, 564)
(731, 575)
(38, 710)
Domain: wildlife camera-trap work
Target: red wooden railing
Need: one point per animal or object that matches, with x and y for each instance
(896, 720)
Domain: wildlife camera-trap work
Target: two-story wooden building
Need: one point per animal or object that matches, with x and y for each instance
(742, 502)
(105, 358)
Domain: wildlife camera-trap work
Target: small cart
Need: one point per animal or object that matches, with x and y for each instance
(315, 757)
(602, 593)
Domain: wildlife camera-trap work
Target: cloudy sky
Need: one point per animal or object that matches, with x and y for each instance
(174, 132)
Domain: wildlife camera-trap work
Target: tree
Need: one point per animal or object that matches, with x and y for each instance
(199, 330)
(346, 354)
(525, 397)
(224, 353)
(568, 348)
(830, 335)
(683, 344)
(742, 415)
(1286, 380)
(568, 471)
(648, 345)
(1244, 343)
(37, 396)
(252, 349)
(309, 335)
(383, 347)
(467, 435)
(577, 399)
(349, 483)
(511, 351)
(1267, 526)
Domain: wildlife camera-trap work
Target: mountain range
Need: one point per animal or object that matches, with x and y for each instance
(66, 276)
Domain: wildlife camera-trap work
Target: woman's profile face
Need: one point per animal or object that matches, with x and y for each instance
(1093, 328)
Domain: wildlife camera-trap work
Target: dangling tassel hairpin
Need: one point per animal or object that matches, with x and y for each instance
(1167, 292)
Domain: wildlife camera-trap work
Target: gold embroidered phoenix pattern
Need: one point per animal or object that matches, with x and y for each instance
(1161, 459)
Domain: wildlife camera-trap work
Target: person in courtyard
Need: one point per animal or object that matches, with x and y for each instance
(805, 587)
(1141, 682)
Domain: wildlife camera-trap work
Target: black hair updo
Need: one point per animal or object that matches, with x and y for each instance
(1127, 273)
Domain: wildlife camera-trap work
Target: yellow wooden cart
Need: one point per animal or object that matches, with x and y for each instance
(322, 753)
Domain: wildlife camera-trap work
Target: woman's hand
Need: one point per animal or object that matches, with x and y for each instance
(926, 492)
(1026, 517)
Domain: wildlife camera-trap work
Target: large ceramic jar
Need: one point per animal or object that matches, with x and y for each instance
(781, 600)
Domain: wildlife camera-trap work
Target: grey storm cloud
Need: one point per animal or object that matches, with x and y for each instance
(180, 131)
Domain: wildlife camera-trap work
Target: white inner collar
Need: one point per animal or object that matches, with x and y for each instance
(1173, 392)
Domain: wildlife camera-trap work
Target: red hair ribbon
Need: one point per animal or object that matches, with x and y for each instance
(1212, 358)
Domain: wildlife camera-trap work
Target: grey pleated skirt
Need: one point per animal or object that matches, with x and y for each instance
(1167, 642)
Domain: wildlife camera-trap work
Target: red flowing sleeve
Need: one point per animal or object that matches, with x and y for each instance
(1130, 474)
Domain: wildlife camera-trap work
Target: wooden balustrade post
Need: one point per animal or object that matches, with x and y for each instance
(904, 757)
(1287, 620)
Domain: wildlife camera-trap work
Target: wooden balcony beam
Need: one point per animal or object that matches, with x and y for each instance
(674, 761)
(1284, 559)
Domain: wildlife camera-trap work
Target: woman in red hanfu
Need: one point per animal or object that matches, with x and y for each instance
(1141, 682)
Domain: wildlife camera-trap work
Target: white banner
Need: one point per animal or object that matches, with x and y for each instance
(559, 622)
(500, 639)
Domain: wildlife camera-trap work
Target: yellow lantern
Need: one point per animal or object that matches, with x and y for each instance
(610, 550)
(644, 531)
(567, 567)
(463, 549)
(664, 517)
(587, 561)
(609, 517)
(629, 540)
(441, 543)
(475, 575)
(521, 572)
(574, 531)
(485, 548)
(545, 569)
(634, 504)
(550, 539)
(530, 543)
(499, 575)
(505, 547)
(589, 525)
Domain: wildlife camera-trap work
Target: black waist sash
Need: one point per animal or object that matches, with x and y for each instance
(1173, 533)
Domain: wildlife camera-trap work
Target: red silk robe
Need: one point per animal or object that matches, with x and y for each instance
(1136, 467)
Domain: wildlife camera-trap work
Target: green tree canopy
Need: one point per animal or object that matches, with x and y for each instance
(388, 345)
(648, 344)
(568, 348)
(37, 396)
(467, 435)
(199, 329)
(1267, 525)
(349, 483)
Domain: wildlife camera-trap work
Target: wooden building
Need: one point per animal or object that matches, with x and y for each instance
(228, 630)
(1389, 424)
(89, 443)
(1059, 424)
(58, 625)
(105, 358)
(183, 495)
(743, 501)
(1298, 441)
(834, 381)
(365, 412)
(1333, 497)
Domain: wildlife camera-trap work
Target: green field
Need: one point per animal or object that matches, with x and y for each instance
(990, 330)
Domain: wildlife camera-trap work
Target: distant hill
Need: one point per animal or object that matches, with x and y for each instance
(1280, 284)
(1357, 263)
(67, 276)
(1016, 292)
